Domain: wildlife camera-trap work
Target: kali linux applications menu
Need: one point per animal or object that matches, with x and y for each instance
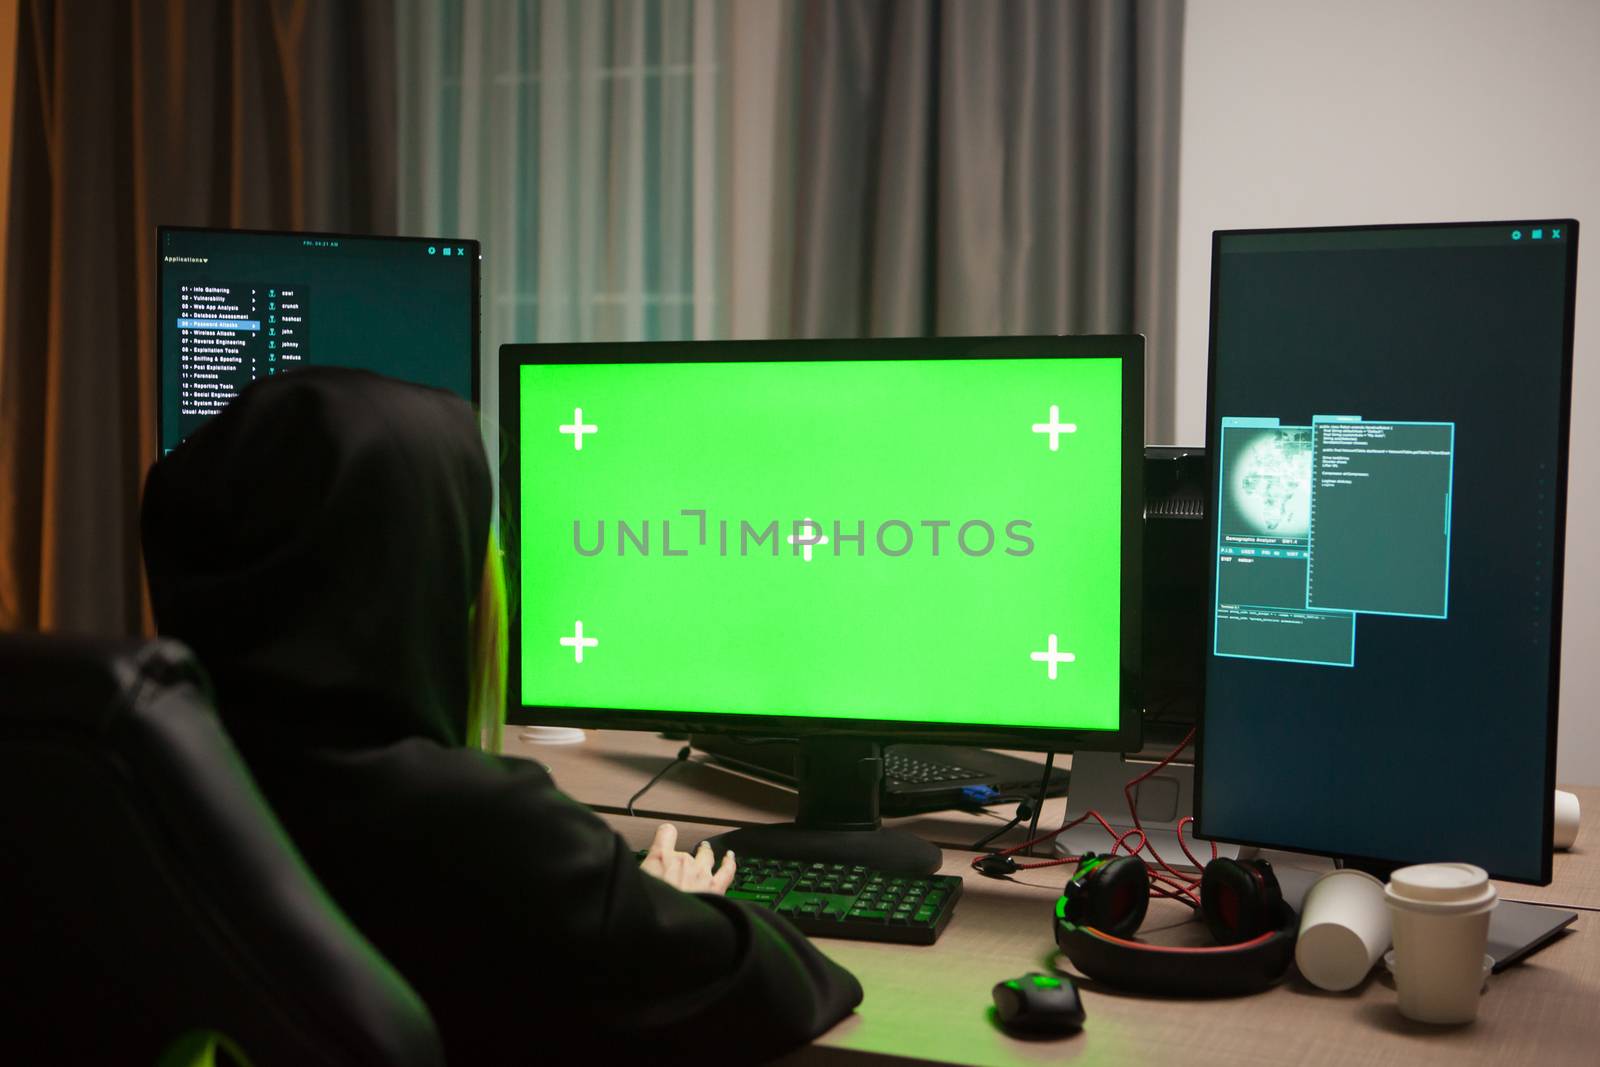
(230, 335)
(236, 306)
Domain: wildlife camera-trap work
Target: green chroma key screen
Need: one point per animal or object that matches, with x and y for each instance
(932, 541)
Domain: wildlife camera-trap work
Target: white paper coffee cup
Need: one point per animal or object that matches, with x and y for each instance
(1440, 913)
(1344, 929)
(551, 735)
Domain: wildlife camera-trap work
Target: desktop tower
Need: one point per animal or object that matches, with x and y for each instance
(1173, 656)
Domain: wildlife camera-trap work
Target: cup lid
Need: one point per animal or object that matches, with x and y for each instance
(1459, 884)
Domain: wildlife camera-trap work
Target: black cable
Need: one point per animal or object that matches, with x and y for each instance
(1044, 790)
(682, 756)
(999, 798)
(1024, 809)
(1027, 808)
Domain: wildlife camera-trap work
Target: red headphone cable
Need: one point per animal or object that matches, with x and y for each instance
(1133, 811)
(1166, 883)
(1163, 886)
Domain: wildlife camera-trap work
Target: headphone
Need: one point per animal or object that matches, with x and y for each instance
(1105, 901)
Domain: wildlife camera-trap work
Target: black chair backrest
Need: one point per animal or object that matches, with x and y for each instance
(146, 889)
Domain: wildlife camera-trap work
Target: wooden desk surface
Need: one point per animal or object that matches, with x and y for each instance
(932, 1004)
(611, 765)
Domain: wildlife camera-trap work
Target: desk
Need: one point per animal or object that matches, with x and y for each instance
(608, 768)
(932, 1003)
(611, 765)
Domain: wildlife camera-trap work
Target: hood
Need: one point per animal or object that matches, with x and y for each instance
(319, 544)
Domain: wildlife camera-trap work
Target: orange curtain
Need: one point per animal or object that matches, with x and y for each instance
(273, 114)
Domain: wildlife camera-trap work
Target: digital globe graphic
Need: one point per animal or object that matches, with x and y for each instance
(1271, 484)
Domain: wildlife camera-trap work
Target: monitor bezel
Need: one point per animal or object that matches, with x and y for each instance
(1557, 576)
(1129, 348)
(476, 259)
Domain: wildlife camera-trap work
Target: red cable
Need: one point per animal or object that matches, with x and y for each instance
(1166, 883)
(1259, 939)
(1197, 864)
(1118, 841)
(1127, 793)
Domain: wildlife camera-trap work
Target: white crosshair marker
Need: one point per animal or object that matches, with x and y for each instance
(577, 428)
(577, 642)
(816, 537)
(1055, 428)
(1051, 656)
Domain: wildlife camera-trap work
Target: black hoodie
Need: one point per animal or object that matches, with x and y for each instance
(319, 545)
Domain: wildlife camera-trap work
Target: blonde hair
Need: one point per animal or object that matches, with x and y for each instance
(486, 655)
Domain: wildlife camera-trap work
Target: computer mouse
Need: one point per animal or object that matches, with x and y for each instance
(1038, 1004)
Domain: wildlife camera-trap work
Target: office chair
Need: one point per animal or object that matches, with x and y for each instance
(148, 894)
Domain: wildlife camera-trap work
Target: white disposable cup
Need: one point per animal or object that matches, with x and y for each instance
(1566, 832)
(551, 735)
(1344, 929)
(1441, 928)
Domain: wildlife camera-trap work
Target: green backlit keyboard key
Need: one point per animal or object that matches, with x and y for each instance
(840, 900)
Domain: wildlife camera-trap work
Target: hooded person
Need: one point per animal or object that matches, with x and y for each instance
(324, 547)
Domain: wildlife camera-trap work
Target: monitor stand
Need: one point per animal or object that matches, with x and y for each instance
(1098, 779)
(840, 780)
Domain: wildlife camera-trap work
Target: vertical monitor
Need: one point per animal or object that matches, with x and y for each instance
(1387, 422)
(905, 538)
(237, 305)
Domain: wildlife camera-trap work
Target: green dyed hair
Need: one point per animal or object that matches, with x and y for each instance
(486, 651)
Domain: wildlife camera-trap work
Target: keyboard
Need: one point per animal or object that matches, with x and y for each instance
(857, 903)
(899, 767)
(916, 778)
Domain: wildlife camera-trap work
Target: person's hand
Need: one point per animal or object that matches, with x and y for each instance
(692, 874)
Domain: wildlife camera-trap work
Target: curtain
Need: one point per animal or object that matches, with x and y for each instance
(651, 169)
(583, 143)
(989, 168)
(252, 113)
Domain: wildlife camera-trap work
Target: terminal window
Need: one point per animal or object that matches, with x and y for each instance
(1380, 516)
(1318, 524)
(237, 306)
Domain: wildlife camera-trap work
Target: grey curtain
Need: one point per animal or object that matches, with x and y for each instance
(253, 113)
(988, 166)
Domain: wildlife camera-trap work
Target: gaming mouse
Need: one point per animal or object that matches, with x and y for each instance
(1038, 1004)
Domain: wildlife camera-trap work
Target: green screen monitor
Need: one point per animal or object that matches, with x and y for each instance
(845, 541)
(238, 305)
